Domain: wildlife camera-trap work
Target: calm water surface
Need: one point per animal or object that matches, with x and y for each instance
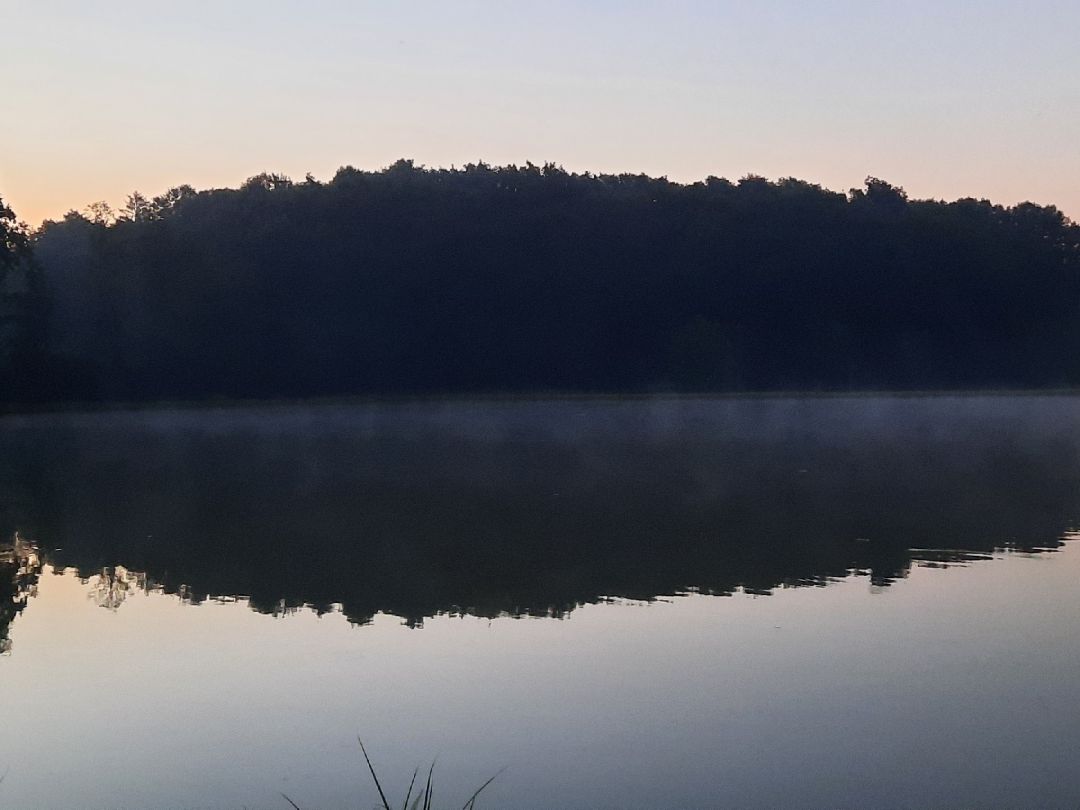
(625, 603)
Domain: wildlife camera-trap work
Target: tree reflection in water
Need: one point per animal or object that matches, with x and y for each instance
(20, 569)
(531, 508)
(110, 588)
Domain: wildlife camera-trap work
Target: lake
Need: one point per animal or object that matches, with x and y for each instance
(625, 603)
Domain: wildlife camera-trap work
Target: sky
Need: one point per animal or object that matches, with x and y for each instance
(945, 98)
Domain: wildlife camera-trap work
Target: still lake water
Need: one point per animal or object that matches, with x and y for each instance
(834, 602)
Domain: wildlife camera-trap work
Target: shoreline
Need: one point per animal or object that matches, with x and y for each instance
(497, 397)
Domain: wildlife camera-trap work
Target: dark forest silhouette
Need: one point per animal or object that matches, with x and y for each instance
(516, 279)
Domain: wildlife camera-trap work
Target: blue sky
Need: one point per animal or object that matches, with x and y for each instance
(947, 99)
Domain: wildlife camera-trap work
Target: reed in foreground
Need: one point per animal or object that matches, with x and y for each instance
(422, 800)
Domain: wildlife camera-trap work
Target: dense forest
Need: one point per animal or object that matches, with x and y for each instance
(511, 279)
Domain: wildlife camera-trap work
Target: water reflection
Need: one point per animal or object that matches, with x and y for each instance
(20, 569)
(530, 508)
(110, 588)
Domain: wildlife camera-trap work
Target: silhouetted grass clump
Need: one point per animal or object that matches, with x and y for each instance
(421, 801)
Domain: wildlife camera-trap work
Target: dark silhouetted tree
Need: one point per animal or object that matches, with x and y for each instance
(137, 208)
(22, 313)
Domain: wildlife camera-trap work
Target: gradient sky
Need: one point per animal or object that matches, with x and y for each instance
(946, 98)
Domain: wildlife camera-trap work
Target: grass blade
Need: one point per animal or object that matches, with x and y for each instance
(428, 790)
(290, 801)
(386, 804)
(405, 804)
(471, 803)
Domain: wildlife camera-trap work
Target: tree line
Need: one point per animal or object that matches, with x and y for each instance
(530, 278)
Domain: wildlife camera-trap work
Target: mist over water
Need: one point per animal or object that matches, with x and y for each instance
(534, 507)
